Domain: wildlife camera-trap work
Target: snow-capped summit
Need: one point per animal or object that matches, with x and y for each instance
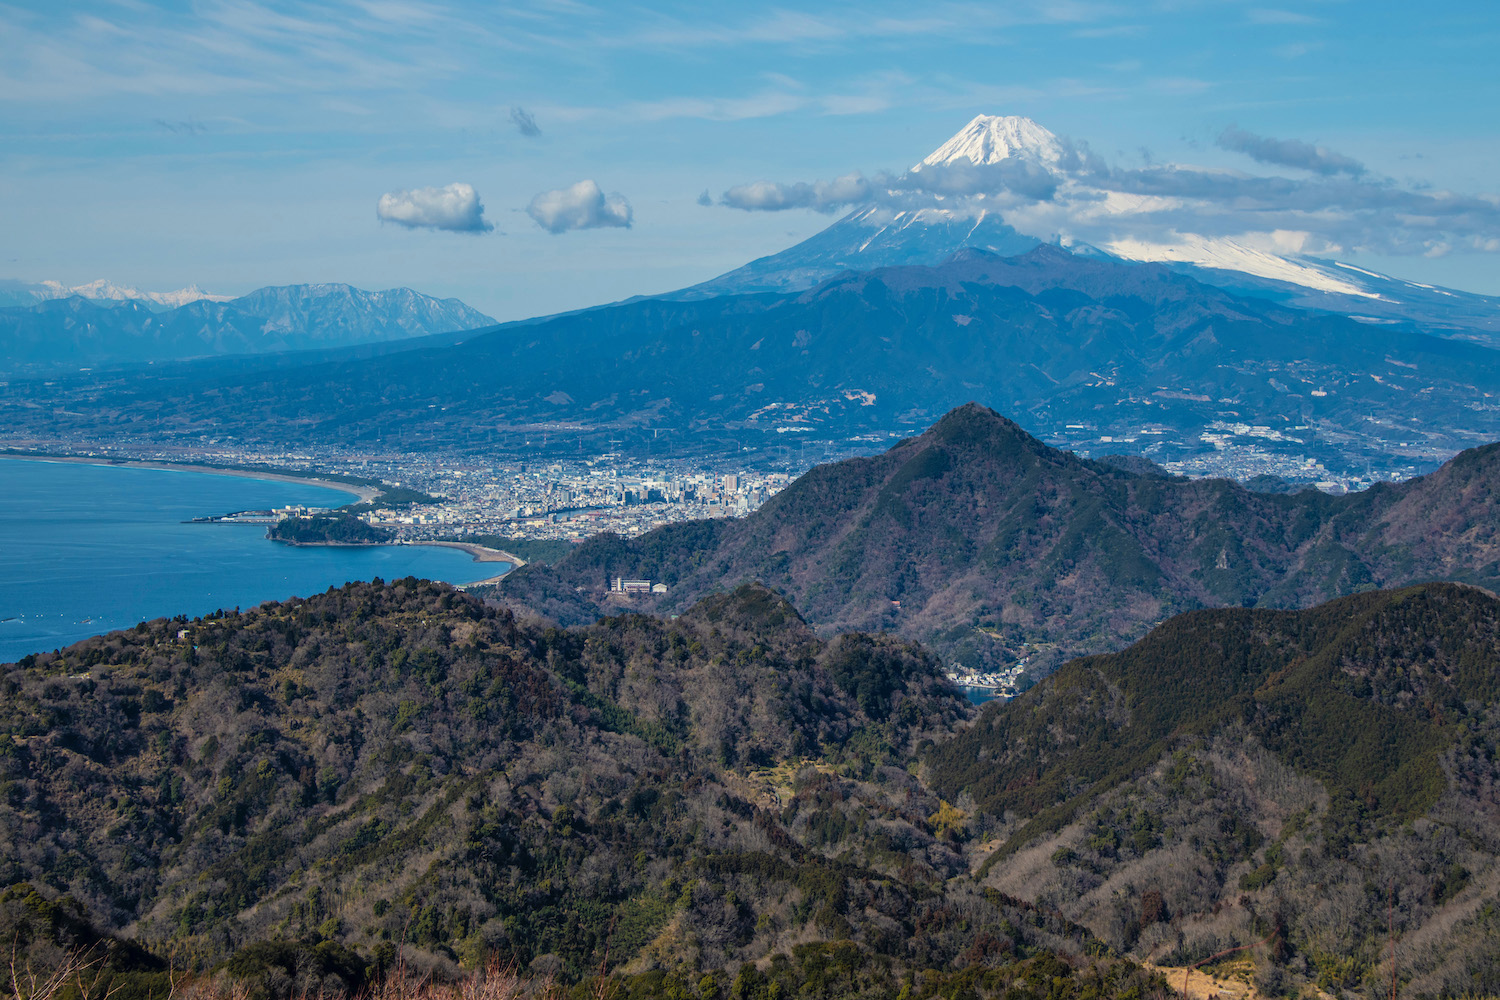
(988, 139)
(1036, 194)
(16, 293)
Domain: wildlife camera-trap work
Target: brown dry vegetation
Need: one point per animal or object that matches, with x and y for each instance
(302, 797)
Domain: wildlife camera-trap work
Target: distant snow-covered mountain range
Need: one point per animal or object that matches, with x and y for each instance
(1013, 152)
(125, 325)
(21, 293)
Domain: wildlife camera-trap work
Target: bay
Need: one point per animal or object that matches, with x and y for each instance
(86, 549)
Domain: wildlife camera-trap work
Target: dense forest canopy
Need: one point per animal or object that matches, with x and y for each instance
(328, 529)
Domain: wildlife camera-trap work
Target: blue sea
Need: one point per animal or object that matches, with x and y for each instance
(87, 549)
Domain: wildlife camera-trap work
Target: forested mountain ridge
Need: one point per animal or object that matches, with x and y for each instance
(987, 543)
(732, 806)
(398, 762)
(1244, 772)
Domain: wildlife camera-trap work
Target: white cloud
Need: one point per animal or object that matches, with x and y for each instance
(1084, 198)
(582, 206)
(824, 196)
(455, 208)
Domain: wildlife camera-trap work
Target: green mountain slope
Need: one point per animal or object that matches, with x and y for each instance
(983, 541)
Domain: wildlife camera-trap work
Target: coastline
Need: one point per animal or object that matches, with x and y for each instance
(482, 554)
(364, 493)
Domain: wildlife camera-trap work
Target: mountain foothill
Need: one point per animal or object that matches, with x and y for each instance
(1050, 337)
(987, 544)
(311, 794)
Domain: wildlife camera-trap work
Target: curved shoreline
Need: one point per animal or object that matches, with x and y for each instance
(364, 493)
(481, 554)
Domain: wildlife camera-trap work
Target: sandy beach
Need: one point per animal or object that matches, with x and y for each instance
(364, 493)
(481, 553)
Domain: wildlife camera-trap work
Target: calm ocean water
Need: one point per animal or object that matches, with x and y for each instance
(87, 549)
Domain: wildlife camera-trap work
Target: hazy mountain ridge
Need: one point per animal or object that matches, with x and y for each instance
(982, 540)
(75, 330)
(1050, 337)
(102, 291)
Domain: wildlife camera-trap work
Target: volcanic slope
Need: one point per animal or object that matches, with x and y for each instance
(1307, 779)
(994, 153)
(1049, 337)
(981, 539)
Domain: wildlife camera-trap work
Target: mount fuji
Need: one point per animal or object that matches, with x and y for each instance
(949, 202)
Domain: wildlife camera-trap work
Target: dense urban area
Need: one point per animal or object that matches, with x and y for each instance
(547, 497)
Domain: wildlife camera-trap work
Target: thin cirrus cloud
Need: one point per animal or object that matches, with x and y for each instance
(582, 206)
(455, 208)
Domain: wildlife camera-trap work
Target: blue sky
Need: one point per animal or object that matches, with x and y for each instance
(237, 143)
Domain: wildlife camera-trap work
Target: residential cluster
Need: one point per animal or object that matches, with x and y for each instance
(569, 500)
(1001, 684)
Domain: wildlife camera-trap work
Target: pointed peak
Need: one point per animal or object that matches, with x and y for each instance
(988, 139)
(750, 606)
(973, 423)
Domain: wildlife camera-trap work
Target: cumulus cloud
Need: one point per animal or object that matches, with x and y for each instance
(455, 208)
(582, 206)
(1021, 178)
(705, 199)
(524, 122)
(1288, 153)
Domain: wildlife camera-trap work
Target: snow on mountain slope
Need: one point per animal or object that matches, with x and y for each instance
(965, 195)
(989, 139)
(1230, 255)
(15, 293)
(76, 330)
